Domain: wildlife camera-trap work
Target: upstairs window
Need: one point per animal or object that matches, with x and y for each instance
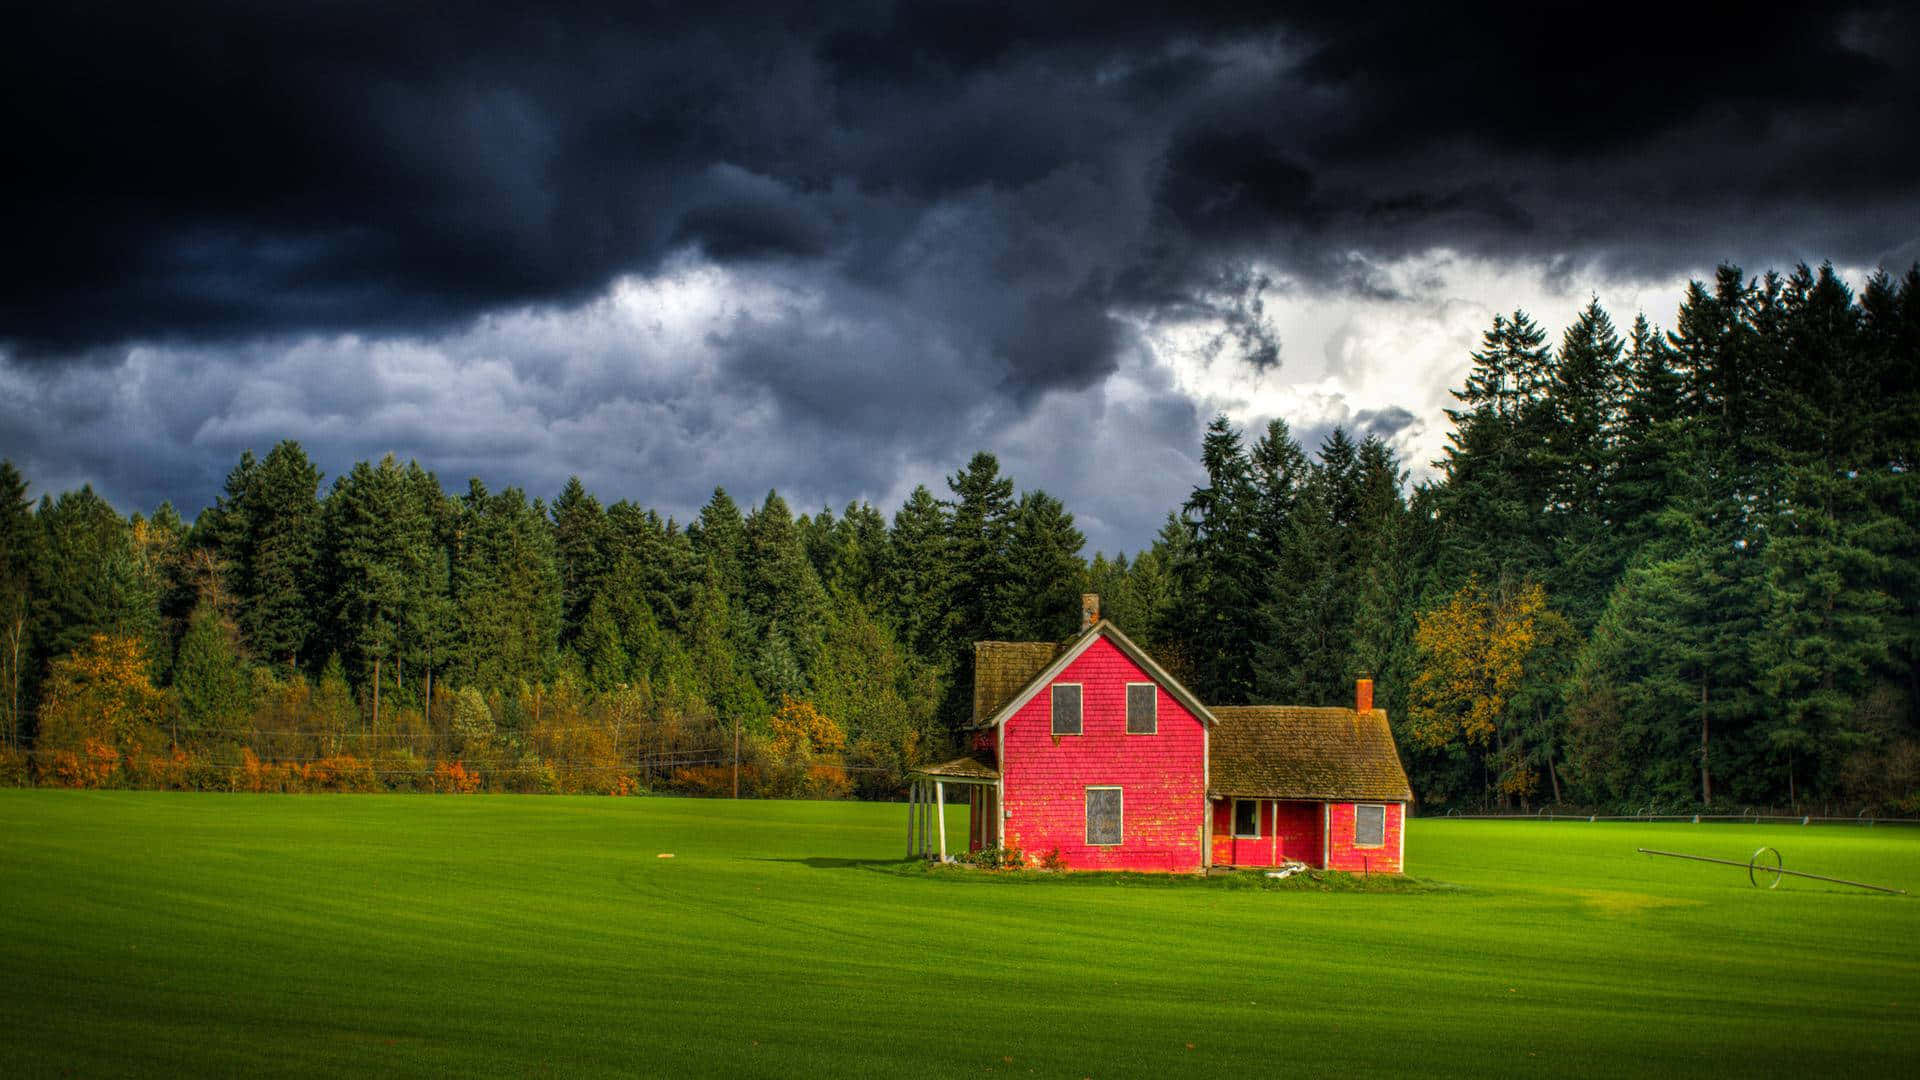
(1066, 708)
(1369, 825)
(1143, 708)
(1104, 812)
(1246, 819)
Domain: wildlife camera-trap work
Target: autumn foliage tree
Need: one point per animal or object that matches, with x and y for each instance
(97, 708)
(805, 747)
(1474, 650)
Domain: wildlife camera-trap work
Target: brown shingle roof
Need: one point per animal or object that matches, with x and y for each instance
(1001, 669)
(975, 767)
(1293, 752)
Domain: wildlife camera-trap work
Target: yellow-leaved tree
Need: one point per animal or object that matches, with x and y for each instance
(1473, 653)
(806, 746)
(98, 708)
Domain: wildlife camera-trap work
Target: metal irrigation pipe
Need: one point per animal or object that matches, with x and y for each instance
(1754, 869)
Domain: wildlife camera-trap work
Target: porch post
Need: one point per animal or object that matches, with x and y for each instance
(919, 817)
(913, 794)
(940, 815)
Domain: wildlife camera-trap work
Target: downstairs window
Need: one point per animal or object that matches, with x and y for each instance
(1104, 812)
(1369, 825)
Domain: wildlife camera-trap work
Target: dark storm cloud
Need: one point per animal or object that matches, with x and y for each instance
(976, 202)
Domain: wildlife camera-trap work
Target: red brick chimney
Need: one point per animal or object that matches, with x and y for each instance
(1363, 694)
(1089, 610)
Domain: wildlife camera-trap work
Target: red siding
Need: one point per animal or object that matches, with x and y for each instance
(1045, 777)
(1296, 823)
(1343, 855)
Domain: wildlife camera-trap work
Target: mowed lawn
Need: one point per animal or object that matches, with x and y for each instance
(231, 934)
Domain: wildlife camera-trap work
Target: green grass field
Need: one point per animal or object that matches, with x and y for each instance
(164, 933)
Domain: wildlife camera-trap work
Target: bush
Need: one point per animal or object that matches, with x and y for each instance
(454, 779)
(13, 769)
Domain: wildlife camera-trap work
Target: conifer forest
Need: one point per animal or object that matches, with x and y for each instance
(1658, 566)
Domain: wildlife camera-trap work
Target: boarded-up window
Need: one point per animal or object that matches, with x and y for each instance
(1143, 708)
(1246, 819)
(1103, 816)
(1369, 825)
(1066, 708)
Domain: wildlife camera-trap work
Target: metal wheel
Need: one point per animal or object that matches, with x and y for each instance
(1758, 867)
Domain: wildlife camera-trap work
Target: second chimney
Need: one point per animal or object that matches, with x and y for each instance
(1089, 610)
(1363, 694)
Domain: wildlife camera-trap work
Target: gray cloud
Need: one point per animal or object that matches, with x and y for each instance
(377, 228)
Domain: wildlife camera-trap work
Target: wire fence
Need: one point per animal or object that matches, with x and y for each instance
(1744, 817)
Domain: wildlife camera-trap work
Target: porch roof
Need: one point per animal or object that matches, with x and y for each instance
(969, 769)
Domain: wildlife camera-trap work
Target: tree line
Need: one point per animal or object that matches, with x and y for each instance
(1675, 568)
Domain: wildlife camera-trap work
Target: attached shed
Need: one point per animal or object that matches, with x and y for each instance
(1313, 785)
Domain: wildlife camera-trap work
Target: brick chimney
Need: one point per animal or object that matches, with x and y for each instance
(1089, 610)
(1363, 693)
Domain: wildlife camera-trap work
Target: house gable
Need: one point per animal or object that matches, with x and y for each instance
(1066, 657)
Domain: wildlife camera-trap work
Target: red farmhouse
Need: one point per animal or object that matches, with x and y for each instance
(1090, 748)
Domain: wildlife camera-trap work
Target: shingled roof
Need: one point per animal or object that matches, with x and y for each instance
(971, 767)
(1001, 669)
(1293, 752)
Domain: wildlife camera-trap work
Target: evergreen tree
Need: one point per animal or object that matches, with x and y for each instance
(506, 591)
(719, 536)
(1047, 572)
(581, 551)
(1583, 404)
(920, 574)
(383, 571)
(786, 607)
(1222, 578)
(19, 567)
(210, 681)
(92, 579)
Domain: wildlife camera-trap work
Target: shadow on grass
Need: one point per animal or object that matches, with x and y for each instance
(822, 863)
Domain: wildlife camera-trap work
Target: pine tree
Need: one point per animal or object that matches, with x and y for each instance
(210, 680)
(1222, 576)
(278, 540)
(719, 536)
(383, 572)
(506, 591)
(1583, 404)
(19, 567)
(92, 580)
(978, 529)
(919, 574)
(601, 651)
(581, 550)
(1047, 571)
(786, 607)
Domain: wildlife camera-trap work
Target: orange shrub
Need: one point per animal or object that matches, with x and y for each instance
(92, 766)
(340, 772)
(454, 779)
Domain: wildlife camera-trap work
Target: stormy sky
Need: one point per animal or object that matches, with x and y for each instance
(672, 246)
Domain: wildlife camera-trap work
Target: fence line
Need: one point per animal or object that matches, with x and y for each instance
(1750, 817)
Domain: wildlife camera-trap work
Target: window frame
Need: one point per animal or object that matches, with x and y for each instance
(1086, 831)
(1382, 842)
(1255, 834)
(1053, 709)
(1153, 720)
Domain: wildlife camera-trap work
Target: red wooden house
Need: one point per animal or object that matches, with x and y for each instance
(1092, 749)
